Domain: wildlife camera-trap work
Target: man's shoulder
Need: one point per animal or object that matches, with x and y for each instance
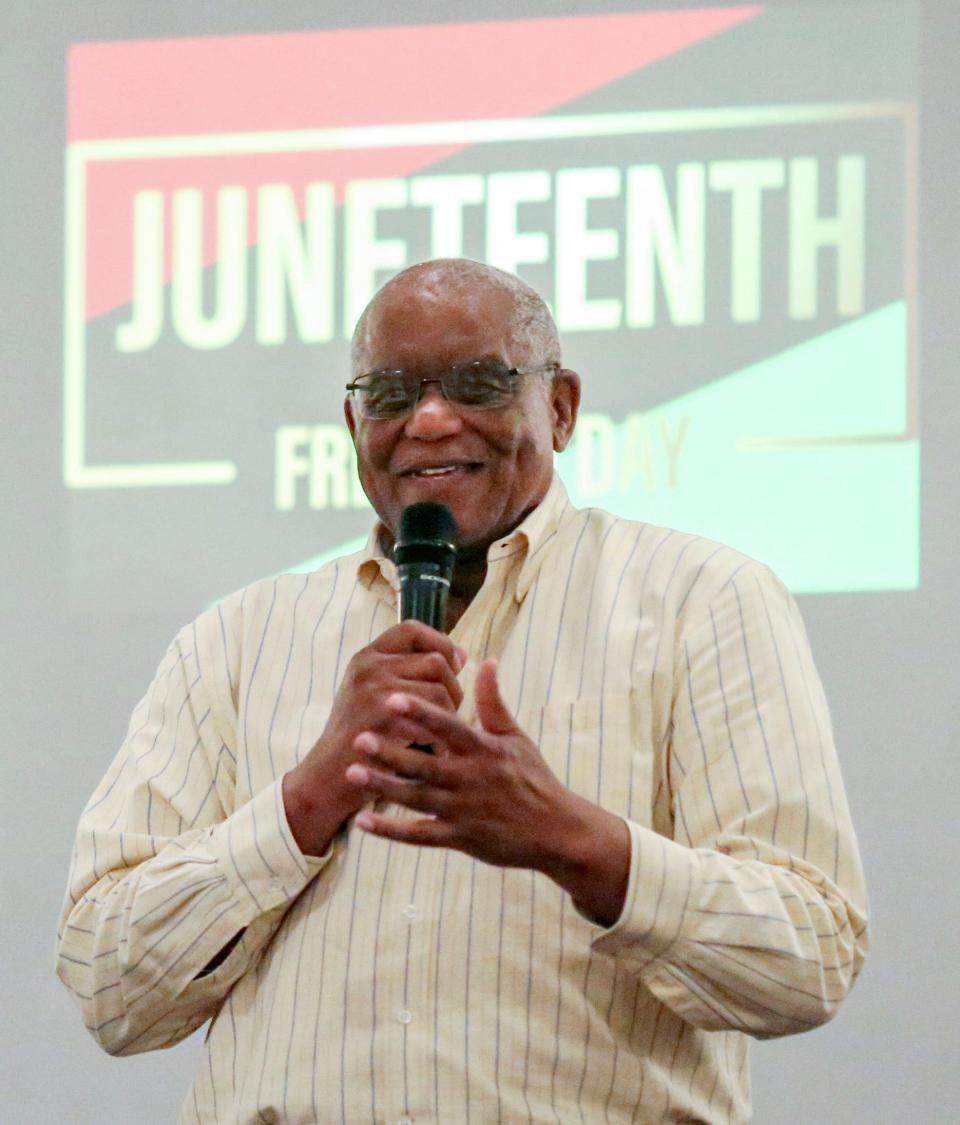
(676, 568)
(281, 595)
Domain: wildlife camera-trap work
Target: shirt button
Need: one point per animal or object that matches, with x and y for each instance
(405, 1121)
(404, 1016)
(410, 912)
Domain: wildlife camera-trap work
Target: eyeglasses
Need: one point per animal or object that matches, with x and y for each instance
(483, 384)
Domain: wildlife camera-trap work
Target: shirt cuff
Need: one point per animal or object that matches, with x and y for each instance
(664, 878)
(259, 855)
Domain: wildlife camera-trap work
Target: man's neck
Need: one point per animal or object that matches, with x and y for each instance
(469, 573)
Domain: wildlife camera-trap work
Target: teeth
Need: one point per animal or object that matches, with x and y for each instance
(436, 472)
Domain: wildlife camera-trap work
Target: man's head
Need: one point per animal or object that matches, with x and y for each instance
(489, 466)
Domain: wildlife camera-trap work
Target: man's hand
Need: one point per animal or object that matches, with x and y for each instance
(489, 793)
(411, 658)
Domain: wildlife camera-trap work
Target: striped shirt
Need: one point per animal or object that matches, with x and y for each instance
(663, 676)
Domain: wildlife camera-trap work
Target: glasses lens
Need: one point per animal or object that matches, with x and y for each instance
(486, 383)
(387, 394)
(483, 385)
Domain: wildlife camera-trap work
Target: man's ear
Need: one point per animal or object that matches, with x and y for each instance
(565, 400)
(349, 418)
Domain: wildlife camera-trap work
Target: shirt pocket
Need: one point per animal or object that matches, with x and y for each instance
(603, 749)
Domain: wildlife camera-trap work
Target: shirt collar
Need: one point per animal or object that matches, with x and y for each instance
(530, 537)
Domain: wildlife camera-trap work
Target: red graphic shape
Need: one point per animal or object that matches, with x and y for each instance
(325, 79)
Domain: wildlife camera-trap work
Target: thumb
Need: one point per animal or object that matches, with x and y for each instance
(493, 713)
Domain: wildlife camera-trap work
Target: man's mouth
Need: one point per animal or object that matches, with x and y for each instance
(440, 470)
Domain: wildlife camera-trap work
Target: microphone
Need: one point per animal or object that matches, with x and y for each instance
(425, 554)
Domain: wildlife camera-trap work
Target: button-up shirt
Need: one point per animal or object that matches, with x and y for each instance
(662, 676)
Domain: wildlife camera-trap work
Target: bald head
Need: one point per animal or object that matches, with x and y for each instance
(532, 327)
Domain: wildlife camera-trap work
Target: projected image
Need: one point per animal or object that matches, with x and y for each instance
(731, 275)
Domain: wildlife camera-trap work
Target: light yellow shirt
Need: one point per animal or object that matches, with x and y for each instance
(663, 676)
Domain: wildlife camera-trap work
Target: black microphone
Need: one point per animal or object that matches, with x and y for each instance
(425, 554)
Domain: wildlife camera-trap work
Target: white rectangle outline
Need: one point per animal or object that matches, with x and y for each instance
(77, 474)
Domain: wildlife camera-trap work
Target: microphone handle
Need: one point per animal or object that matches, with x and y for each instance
(424, 589)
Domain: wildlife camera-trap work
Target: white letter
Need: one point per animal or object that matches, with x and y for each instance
(653, 238)
(809, 232)
(637, 459)
(507, 248)
(746, 180)
(304, 263)
(143, 330)
(577, 244)
(365, 253)
(446, 196)
(330, 455)
(289, 464)
(226, 323)
(673, 443)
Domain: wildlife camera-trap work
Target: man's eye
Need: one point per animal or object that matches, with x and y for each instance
(476, 389)
(387, 392)
(481, 381)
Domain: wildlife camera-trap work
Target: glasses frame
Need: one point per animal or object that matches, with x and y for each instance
(515, 372)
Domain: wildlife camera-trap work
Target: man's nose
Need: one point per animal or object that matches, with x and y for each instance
(434, 416)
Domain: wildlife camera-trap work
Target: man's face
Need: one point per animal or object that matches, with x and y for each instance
(495, 465)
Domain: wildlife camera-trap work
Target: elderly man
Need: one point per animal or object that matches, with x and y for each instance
(629, 852)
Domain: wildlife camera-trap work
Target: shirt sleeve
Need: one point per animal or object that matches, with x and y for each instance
(166, 872)
(753, 916)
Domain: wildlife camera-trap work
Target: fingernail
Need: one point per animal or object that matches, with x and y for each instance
(398, 702)
(357, 774)
(364, 820)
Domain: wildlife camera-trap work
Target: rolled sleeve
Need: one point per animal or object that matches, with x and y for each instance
(258, 854)
(664, 878)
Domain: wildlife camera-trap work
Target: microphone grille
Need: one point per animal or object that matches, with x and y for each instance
(427, 522)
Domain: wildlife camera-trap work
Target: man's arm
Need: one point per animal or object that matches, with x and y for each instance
(752, 917)
(166, 874)
(174, 891)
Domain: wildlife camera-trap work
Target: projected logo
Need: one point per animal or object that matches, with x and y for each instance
(733, 277)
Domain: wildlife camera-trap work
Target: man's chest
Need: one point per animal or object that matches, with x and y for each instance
(588, 677)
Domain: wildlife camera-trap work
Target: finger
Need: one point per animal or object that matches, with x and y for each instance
(493, 713)
(401, 732)
(436, 694)
(426, 723)
(414, 636)
(406, 762)
(424, 831)
(427, 668)
(401, 791)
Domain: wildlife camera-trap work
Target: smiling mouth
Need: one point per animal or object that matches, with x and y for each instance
(439, 470)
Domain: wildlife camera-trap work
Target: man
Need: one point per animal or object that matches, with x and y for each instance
(629, 851)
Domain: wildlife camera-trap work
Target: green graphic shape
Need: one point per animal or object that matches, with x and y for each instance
(838, 512)
(317, 561)
(827, 516)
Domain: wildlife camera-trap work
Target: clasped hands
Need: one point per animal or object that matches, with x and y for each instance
(486, 790)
